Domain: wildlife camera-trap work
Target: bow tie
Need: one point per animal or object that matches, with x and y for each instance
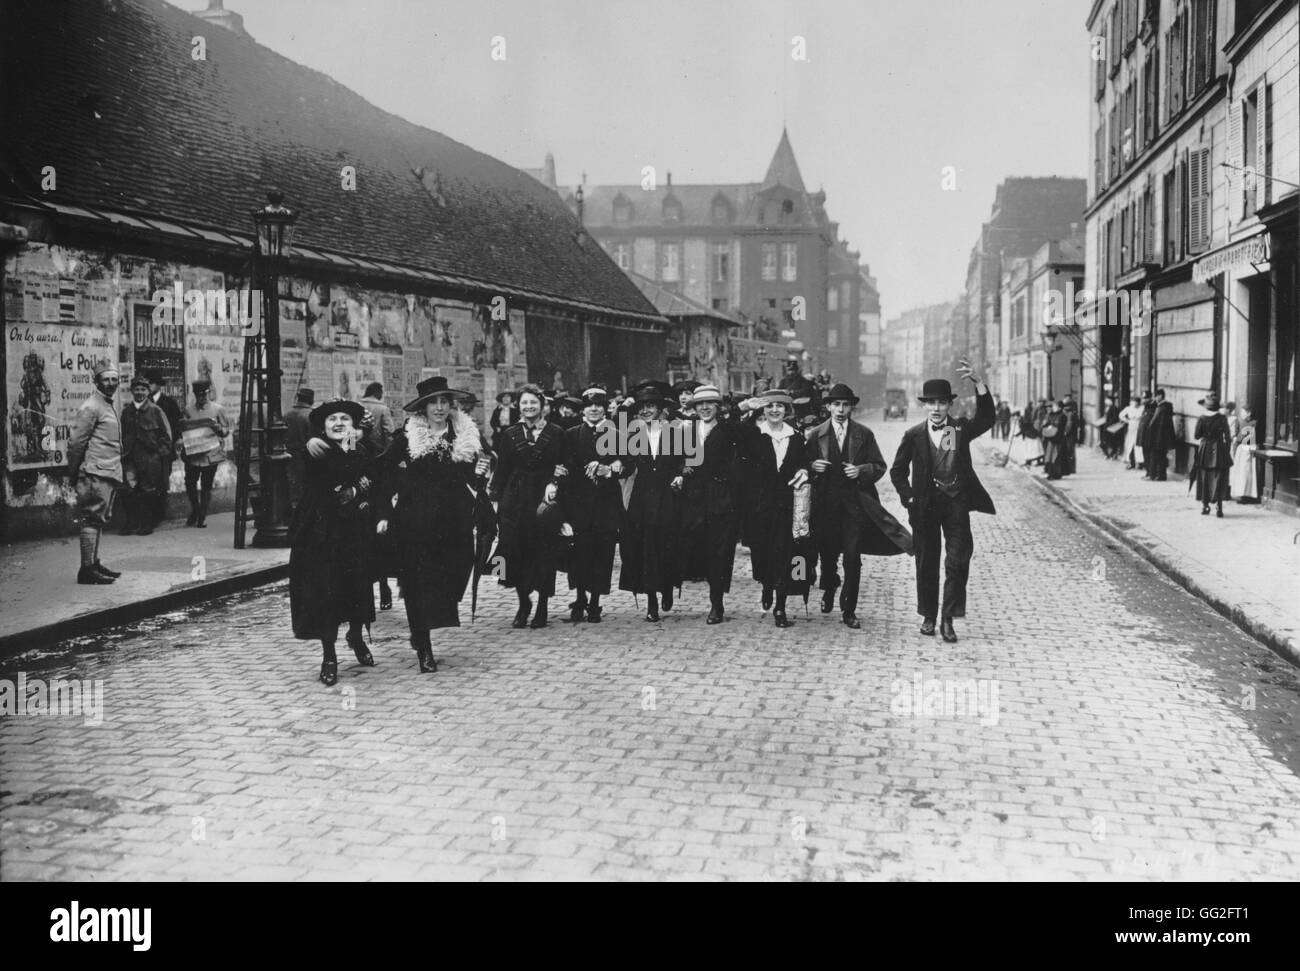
(943, 424)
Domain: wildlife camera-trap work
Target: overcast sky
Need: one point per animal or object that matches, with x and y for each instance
(891, 93)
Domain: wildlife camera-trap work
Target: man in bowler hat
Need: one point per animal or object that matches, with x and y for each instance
(847, 517)
(938, 485)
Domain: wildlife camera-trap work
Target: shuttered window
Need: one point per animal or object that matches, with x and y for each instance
(1198, 200)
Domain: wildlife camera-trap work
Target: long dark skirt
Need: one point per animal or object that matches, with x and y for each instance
(434, 578)
(591, 561)
(779, 560)
(1213, 485)
(708, 552)
(649, 560)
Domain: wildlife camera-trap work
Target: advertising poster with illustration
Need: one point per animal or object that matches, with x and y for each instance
(49, 369)
(218, 358)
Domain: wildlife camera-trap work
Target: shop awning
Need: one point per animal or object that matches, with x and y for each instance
(1253, 249)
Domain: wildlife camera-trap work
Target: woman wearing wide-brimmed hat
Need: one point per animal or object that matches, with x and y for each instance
(329, 564)
(776, 461)
(428, 507)
(529, 464)
(1213, 457)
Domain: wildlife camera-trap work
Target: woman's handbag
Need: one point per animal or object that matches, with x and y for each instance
(802, 511)
(1050, 431)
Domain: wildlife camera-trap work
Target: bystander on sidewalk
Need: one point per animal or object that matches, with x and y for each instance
(1244, 565)
(173, 567)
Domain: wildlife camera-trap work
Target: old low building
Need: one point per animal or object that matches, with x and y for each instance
(139, 138)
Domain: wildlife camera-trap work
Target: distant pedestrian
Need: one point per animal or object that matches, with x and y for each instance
(1054, 430)
(1213, 456)
(505, 414)
(1073, 435)
(1111, 437)
(95, 469)
(1004, 420)
(937, 484)
(1132, 418)
(1161, 437)
(203, 429)
(329, 563)
(1245, 484)
(146, 459)
(1033, 445)
(159, 396)
(1143, 432)
(298, 421)
(380, 434)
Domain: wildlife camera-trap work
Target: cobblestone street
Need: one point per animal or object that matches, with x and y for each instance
(1095, 721)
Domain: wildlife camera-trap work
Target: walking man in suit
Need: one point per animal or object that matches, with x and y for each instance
(847, 517)
(937, 483)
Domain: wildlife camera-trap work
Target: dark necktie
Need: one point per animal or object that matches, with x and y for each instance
(531, 434)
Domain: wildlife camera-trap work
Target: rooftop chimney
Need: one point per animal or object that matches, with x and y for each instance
(219, 15)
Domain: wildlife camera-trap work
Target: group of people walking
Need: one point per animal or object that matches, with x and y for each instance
(673, 495)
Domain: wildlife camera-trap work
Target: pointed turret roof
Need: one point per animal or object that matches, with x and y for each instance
(784, 170)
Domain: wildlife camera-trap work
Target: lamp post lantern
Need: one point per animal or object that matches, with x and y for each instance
(274, 231)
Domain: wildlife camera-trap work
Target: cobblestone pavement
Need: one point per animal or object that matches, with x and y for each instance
(1094, 722)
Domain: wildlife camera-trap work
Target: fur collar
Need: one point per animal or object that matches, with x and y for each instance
(464, 446)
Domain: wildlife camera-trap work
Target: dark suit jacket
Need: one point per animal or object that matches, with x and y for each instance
(831, 488)
(653, 502)
(913, 459)
(522, 474)
(767, 487)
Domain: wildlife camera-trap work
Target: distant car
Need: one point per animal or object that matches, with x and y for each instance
(895, 404)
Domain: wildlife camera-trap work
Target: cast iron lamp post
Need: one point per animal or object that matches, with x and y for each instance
(274, 231)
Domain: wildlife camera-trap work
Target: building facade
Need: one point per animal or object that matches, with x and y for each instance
(871, 351)
(766, 252)
(910, 342)
(1041, 357)
(1192, 182)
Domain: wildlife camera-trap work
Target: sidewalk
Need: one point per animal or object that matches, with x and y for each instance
(1245, 565)
(174, 567)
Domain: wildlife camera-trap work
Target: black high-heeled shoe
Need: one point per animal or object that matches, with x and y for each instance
(666, 601)
(358, 645)
(767, 598)
(385, 601)
(541, 616)
(780, 619)
(329, 673)
(424, 654)
(521, 615)
(652, 608)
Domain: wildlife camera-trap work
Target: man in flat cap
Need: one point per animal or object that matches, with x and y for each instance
(938, 485)
(95, 468)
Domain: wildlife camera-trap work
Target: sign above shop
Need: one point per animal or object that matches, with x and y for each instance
(1253, 250)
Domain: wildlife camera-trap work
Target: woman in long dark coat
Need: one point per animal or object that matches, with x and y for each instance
(710, 508)
(432, 519)
(1214, 458)
(1053, 429)
(775, 462)
(529, 463)
(649, 538)
(329, 564)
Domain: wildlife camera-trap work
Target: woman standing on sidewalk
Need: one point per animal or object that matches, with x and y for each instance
(775, 463)
(1132, 417)
(329, 564)
(1053, 429)
(428, 507)
(1212, 458)
(1245, 486)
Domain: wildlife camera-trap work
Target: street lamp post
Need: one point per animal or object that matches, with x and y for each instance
(274, 231)
(1049, 347)
(762, 363)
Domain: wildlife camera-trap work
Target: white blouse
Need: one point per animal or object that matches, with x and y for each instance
(780, 440)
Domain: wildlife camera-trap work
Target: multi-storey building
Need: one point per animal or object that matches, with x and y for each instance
(871, 358)
(1194, 119)
(907, 361)
(762, 250)
(1039, 358)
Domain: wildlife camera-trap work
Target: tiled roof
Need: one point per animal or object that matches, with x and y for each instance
(783, 169)
(106, 91)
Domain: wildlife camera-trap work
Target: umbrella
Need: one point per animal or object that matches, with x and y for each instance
(485, 531)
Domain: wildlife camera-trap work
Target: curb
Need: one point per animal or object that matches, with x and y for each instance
(129, 613)
(1265, 633)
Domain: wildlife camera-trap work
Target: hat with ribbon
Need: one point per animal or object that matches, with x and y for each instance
(776, 396)
(936, 389)
(431, 388)
(841, 392)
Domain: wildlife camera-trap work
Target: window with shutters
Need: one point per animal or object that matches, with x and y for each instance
(1149, 226)
(1198, 200)
(1266, 153)
(1099, 159)
(1128, 123)
(1249, 139)
(1201, 52)
(1099, 63)
(1171, 214)
(1112, 165)
(1151, 97)
(1116, 35)
(1175, 60)
(1124, 248)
